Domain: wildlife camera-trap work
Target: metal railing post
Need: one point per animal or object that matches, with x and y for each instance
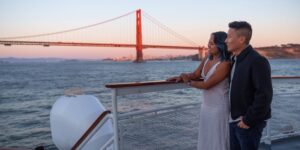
(115, 119)
(268, 140)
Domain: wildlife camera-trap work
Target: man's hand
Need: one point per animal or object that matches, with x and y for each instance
(185, 77)
(242, 125)
(176, 79)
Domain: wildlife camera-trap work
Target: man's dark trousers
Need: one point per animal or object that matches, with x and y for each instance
(245, 139)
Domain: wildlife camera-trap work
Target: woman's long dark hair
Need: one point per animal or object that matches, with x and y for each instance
(219, 40)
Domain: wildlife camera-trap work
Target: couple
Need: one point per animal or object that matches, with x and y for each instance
(237, 91)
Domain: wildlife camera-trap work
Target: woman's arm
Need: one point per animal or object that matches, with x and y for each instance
(194, 75)
(219, 75)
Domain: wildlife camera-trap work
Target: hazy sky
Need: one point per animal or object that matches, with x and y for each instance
(274, 22)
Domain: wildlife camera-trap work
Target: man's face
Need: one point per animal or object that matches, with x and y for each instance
(233, 40)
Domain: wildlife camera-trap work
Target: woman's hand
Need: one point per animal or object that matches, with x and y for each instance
(185, 77)
(176, 79)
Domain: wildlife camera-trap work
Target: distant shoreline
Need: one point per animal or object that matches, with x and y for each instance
(285, 51)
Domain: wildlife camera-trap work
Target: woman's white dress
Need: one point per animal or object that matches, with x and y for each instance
(214, 115)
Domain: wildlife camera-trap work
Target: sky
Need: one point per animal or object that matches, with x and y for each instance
(274, 22)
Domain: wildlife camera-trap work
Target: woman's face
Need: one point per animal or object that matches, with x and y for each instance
(212, 47)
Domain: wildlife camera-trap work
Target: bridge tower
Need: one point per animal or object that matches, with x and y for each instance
(202, 53)
(139, 43)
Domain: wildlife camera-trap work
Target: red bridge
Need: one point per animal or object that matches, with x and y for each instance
(155, 36)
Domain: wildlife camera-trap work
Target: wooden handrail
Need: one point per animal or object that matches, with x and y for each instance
(286, 77)
(135, 84)
(132, 84)
(90, 129)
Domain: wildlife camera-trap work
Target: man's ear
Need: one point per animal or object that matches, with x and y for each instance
(242, 39)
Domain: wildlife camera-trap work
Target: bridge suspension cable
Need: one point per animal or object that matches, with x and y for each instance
(66, 31)
(168, 29)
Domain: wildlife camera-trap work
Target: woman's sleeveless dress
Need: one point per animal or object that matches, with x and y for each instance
(214, 115)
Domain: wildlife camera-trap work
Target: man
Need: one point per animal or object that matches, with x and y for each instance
(250, 91)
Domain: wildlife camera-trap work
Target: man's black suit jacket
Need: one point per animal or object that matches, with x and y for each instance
(251, 88)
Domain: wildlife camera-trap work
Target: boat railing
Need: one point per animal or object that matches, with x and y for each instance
(92, 130)
(122, 89)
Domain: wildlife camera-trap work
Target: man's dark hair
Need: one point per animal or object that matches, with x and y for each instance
(244, 29)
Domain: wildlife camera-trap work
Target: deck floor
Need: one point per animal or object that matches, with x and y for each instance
(176, 130)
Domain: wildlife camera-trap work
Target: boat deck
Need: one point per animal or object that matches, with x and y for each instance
(292, 143)
(175, 128)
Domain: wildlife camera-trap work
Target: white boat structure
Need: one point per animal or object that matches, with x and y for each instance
(81, 122)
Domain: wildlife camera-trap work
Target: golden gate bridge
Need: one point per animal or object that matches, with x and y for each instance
(153, 34)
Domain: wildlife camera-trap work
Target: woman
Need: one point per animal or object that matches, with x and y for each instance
(214, 112)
